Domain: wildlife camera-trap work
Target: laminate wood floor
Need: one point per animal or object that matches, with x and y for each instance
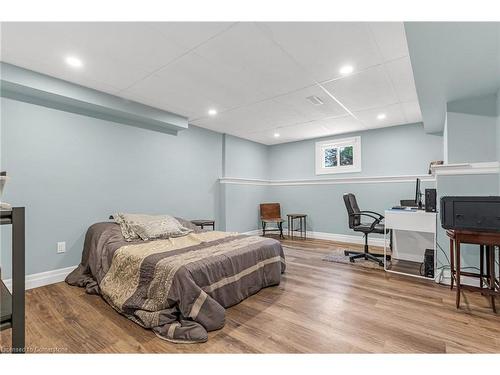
(319, 307)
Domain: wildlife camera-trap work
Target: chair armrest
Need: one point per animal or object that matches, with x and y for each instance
(376, 220)
(375, 213)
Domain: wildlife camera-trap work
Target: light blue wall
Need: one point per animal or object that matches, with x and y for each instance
(395, 151)
(485, 105)
(390, 151)
(245, 159)
(325, 207)
(471, 138)
(450, 61)
(242, 206)
(498, 135)
(71, 171)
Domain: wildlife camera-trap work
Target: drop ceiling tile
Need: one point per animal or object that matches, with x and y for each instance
(267, 70)
(292, 133)
(185, 111)
(394, 116)
(265, 115)
(190, 34)
(390, 38)
(313, 129)
(412, 112)
(342, 125)
(307, 130)
(116, 54)
(401, 75)
(195, 83)
(322, 48)
(368, 89)
(299, 102)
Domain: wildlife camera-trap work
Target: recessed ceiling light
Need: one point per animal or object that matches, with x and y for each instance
(381, 116)
(346, 69)
(276, 135)
(74, 62)
(212, 112)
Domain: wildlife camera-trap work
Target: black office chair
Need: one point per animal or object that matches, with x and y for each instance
(355, 223)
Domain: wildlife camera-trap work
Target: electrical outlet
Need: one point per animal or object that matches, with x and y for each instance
(61, 247)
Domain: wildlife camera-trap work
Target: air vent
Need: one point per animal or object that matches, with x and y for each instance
(315, 100)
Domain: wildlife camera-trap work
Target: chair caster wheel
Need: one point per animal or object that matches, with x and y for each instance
(346, 253)
(381, 264)
(351, 260)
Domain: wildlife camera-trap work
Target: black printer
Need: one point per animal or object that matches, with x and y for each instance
(471, 213)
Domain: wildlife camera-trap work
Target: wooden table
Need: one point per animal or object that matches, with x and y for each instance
(204, 223)
(12, 305)
(489, 284)
(302, 224)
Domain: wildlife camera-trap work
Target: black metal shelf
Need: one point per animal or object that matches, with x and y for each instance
(12, 304)
(5, 307)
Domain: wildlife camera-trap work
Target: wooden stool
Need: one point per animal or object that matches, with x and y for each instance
(302, 225)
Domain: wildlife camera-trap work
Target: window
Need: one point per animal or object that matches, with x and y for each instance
(338, 156)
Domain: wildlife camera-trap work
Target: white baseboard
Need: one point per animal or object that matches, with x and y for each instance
(345, 238)
(43, 278)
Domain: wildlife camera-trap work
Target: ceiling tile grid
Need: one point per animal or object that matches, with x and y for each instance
(257, 76)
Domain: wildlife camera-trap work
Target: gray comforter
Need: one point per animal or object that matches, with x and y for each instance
(177, 287)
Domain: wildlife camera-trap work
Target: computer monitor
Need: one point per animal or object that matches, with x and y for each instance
(418, 194)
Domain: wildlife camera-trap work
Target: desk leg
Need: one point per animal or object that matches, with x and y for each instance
(305, 228)
(457, 242)
(452, 263)
(491, 254)
(288, 226)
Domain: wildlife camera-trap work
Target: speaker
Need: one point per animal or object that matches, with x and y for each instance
(430, 200)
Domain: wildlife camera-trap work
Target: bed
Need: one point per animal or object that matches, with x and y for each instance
(178, 287)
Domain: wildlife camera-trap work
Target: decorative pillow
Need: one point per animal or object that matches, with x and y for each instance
(189, 225)
(127, 232)
(149, 227)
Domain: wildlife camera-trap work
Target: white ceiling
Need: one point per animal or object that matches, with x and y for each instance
(257, 75)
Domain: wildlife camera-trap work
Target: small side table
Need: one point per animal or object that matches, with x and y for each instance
(302, 225)
(204, 223)
(489, 284)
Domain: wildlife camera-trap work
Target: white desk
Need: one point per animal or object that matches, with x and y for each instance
(412, 233)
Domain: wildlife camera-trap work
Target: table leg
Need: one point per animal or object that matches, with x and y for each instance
(305, 228)
(481, 265)
(288, 226)
(452, 262)
(491, 253)
(300, 221)
(291, 223)
(457, 245)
